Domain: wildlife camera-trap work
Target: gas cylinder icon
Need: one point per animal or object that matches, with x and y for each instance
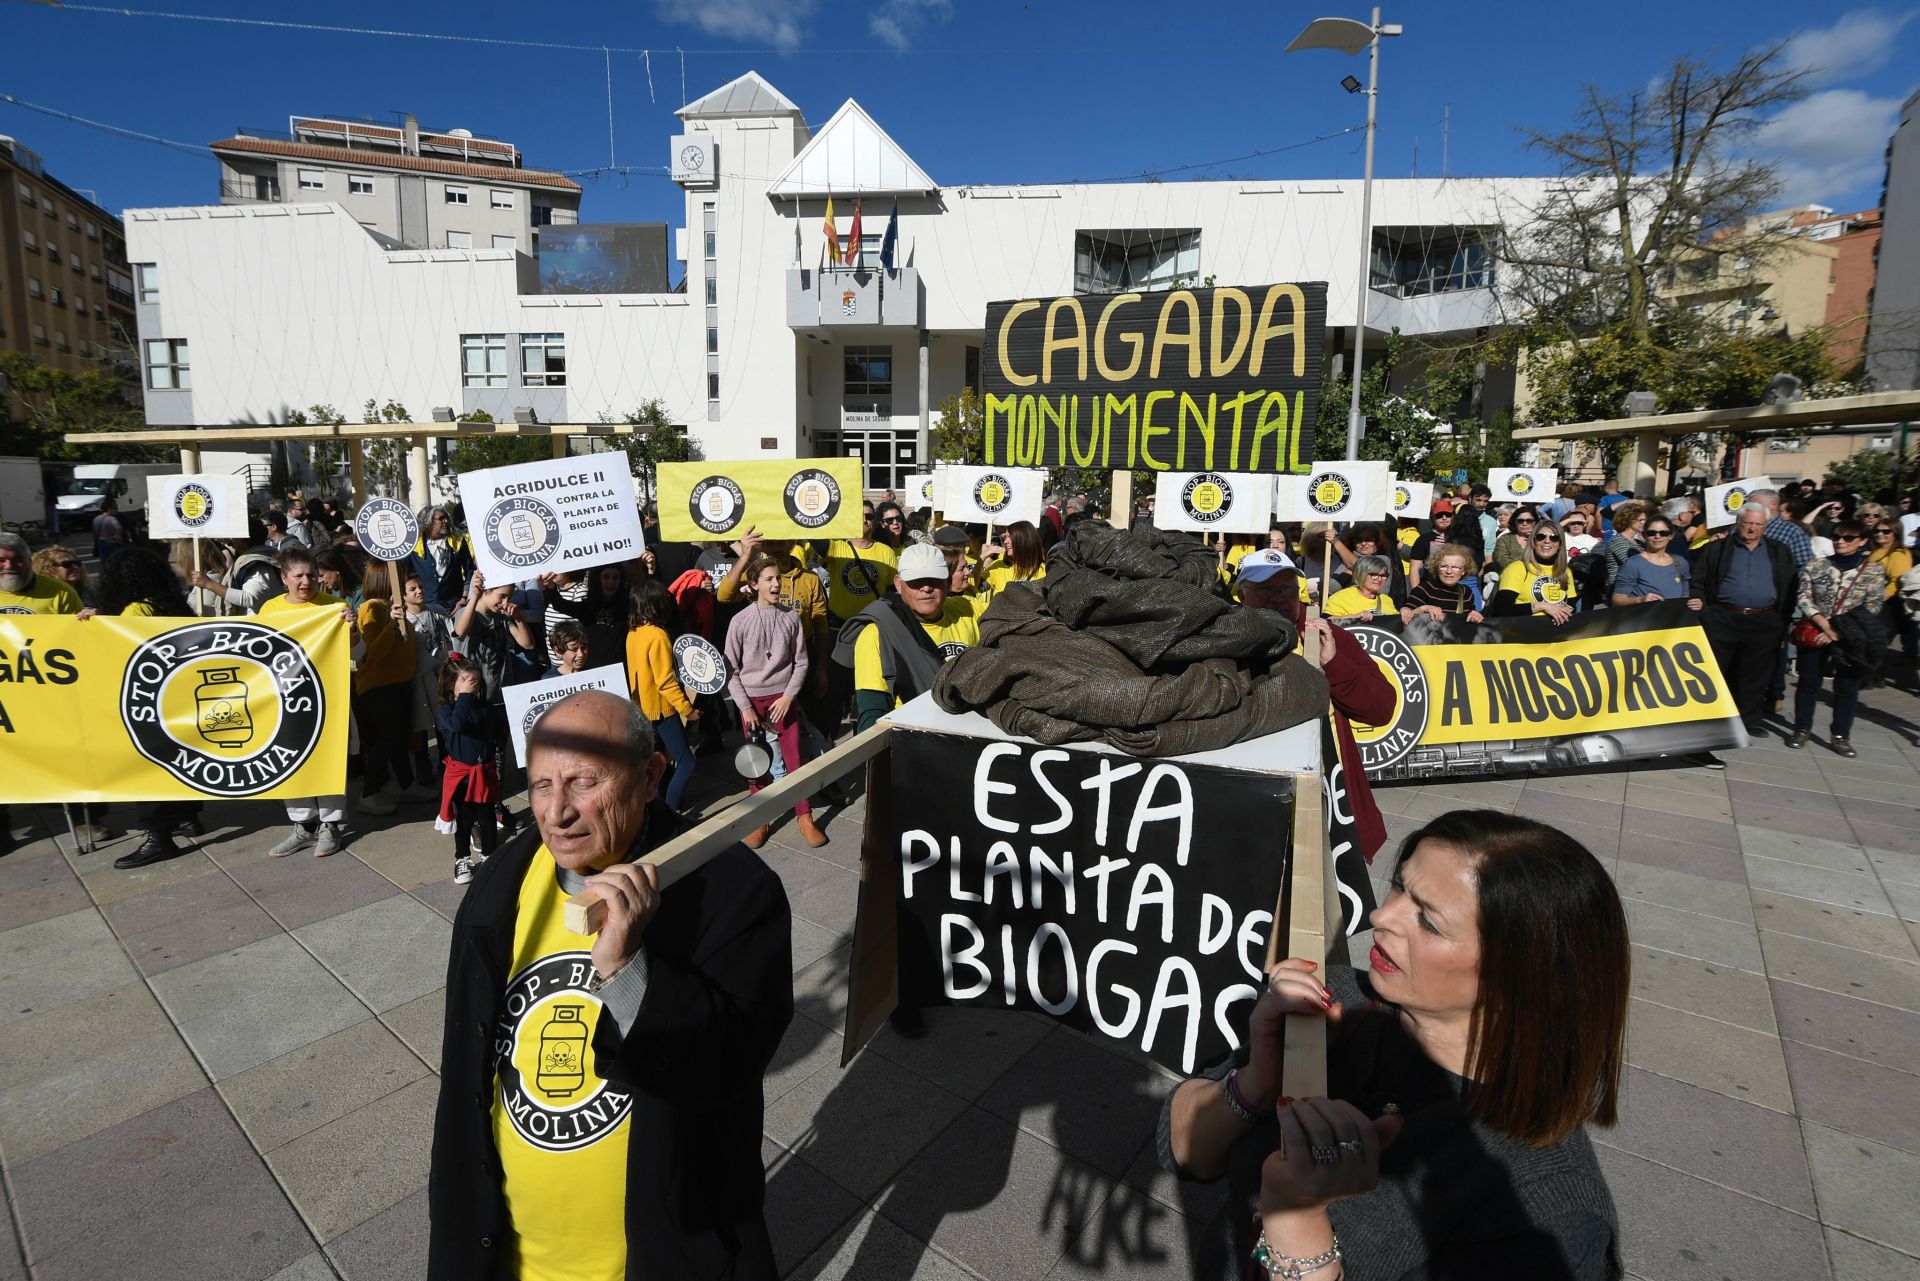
(220, 708)
(521, 534)
(563, 1053)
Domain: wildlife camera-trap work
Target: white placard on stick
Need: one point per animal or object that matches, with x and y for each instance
(386, 529)
(526, 704)
(1723, 502)
(197, 505)
(1412, 499)
(536, 518)
(921, 492)
(1338, 491)
(1208, 502)
(993, 495)
(1524, 484)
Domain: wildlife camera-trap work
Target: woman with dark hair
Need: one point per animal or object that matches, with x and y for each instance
(339, 576)
(1018, 559)
(1462, 1069)
(604, 610)
(654, 683)
(890, 525)
(1838, 632)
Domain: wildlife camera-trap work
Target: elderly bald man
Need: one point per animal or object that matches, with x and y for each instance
(600, 1099)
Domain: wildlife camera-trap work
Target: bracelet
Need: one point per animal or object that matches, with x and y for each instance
(1231, 1092)
(1292, 1269)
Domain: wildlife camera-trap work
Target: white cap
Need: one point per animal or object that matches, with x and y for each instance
(921, 561)
(1258, 567)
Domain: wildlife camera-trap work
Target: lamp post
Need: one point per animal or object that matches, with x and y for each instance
(1350, 36)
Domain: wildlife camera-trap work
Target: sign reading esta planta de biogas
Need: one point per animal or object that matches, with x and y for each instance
(1220, 379)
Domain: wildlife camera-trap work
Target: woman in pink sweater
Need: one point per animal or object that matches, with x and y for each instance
(767, 661)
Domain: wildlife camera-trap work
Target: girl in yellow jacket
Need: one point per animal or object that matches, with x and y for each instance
(655, 685)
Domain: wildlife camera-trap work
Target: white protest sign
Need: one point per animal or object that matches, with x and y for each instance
(921, 492)
(386, 529)
(1336, 491)
(1213, 501)
(199, 505)
(536, 518)
(1412, 499)
(699, 664)
(526, 704)
(1724, 502)
(993, 495)
(1524, 484)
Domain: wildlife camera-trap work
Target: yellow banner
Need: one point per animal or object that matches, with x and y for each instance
(780, 497)
(165, 709)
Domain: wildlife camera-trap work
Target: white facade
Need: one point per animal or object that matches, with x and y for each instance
(285, 306)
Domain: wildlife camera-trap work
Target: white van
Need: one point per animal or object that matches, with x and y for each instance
(93, 483)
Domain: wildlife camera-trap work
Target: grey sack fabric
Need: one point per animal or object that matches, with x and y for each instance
(1127, 642)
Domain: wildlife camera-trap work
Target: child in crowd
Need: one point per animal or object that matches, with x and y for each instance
(568, 641)
(432, 642)
(767, 661)
(654, 683)
(470, 787)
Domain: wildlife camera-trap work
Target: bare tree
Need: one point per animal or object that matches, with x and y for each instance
(1647, 174)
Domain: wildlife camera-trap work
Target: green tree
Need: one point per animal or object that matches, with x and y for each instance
(658, 440)
(1871, 471)
(386, 456)
(1402, 427)
(325, 457)
(52, 402)
(961, 435)
(476, 451)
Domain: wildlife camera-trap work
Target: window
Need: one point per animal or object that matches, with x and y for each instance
(456, 195)
(312, 180)
(33, 287)
(73, 223)
(483, 360)
(972, 374)
(543, 360)
(543, 215)
(86, 350)
(93, 232)
(167, 364)
(1106, 262)
(710, 246)
(713, 291)
(459, 240)
(60, 340)
(33, 242)
(505, 242)
(73, 261)
(26, 192)
(713, 339)
(93, 270)
(360, 184)
(148, 276)
(500, 199)
(869, 376)
(46, 206)
(59, 298)
(713, 387)
(53, 252)
(40, 335)
(80, 304)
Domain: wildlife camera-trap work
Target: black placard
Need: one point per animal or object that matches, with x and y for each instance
(1219, 379)
(1129, 898)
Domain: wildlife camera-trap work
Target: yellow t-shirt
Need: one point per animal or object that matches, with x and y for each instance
(1533, 584)
(281, 604)
(44, 595)
(560, 1128)
(139, 609)
(956, 630)
(1003, 573)
(857, 576)
(1348, 601)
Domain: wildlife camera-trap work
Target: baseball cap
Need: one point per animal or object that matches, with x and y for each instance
(950, 536)
(921, 562)
(1258, 567)
(1442, 505)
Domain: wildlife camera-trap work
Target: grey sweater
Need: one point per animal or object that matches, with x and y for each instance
(1455, 1199)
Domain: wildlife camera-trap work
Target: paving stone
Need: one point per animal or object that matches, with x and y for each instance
(387, 953)
(1842, 970)
(965, 1050)
(1137, 1237)
(820, 989)
(300, 890)
(250, 1006)
(308, 1267)
(1895, 868)
(1712, 861)
(811, 942)
(804, 1207)
(1641, 819)
(195, 937)
(1860, 1029)
(1601, 842)
(1706, 937)
(1855, 1096)
(1751, 1149)
(1076, 1095)
(1881, 836)
(1598, 787)
(109, 884)
(13, 1263)
(1820, 884)
(1733, 996)
(58, 960)
(1200, 1202)
(1866, 1188)
(1735, 1061)
(1857, 1260)
(1786, 817)
(872, 1249)
(392, 1243)
(1680, 1228)
(37, 887)
(421, 1024)
(74, 1096)
(1905, 899)
(859, 1126)
(798, 871)
(1789, 775)
(443, 897)
(1845, 926)
(829, 903)
(806, 1048)
(1682, 890)
(1888, 809)
(367, 1161)
(298, 1093)
(1813, 851)
(1878, 771)
(66, 1033)
(1813, 797)
(420, 856)
(174, 1193)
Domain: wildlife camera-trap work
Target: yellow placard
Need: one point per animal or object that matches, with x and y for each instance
(164, 709)
(780, 497)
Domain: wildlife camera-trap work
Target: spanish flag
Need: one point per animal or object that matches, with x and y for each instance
(833, 236)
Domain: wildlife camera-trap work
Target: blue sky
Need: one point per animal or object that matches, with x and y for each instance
(975, 90)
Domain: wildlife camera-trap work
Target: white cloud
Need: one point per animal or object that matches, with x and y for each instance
(779, 24)
(893, 22)
(1830, 147)
(1859, 44)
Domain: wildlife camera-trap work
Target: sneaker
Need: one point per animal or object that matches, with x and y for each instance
(418, 794)
(462, 871)
(503, 818)
(300, 838)
(478, 858)
(1706, 760)
(378, 804)
(330, 840)
(1841, 747)
(157, 848)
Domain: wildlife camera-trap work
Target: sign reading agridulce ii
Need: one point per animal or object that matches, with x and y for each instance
(1223, 379)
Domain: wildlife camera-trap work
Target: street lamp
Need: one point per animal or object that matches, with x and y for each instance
(1350, 36)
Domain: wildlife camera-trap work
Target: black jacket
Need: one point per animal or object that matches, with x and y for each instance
(1710, 571)
(719, 998)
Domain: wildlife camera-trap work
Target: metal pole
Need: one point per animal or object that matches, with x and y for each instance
(1354, 420)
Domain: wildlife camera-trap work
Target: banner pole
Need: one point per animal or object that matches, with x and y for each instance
(196, 573)
(1326, 566)
(1121, 517)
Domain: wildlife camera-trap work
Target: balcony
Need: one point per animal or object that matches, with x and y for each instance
(251, 191)
(864, 299)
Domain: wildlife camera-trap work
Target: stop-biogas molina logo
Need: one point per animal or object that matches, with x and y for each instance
(193, 505)
(1520, 484)
(1206, 497)
(522, 532)
(550, 1086)
(716, 504)
(812, 498)
(1382, 745)
(992, 493)
(1736, 499)
(230, 708)
(1330, 493)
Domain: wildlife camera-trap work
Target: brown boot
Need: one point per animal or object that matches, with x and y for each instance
(758, 836)
(809, 830)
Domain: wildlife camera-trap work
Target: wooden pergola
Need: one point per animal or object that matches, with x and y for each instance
(1639, 467)
(192, 439)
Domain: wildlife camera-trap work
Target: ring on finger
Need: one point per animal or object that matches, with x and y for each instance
(1351, 1145)
(1324, 1153)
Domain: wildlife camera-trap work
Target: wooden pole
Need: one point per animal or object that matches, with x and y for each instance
(1303, 913)
(1122, 513)
(196, 574)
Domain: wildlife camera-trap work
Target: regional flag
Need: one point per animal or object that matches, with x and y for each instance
(853, 236)
(833, 236)
(891, 239)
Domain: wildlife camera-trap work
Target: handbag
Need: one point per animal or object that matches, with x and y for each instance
(1805, 634)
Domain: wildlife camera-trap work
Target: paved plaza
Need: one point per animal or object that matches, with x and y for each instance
(224, 1066)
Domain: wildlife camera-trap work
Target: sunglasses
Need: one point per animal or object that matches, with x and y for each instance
(1523, 520)
(1546, 538)
(1659, 533)
(1849, 538)
(66, 564)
